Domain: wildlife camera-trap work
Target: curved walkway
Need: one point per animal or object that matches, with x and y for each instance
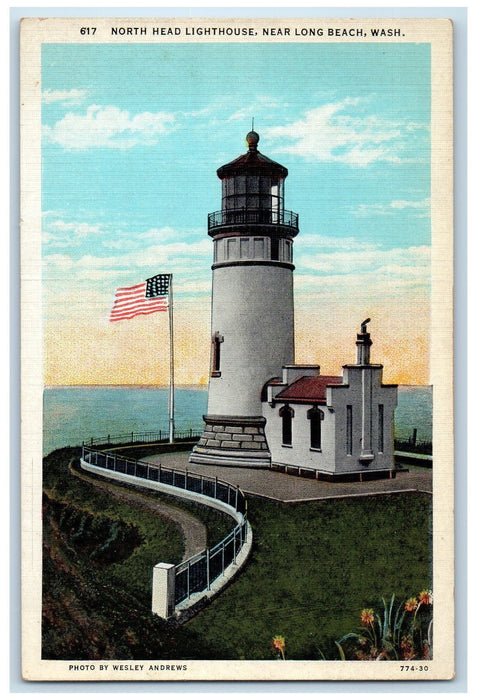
(193, 530)
(287, 488)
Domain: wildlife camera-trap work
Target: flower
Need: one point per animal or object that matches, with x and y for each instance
(278, 643)
(425, 598)
(367, 617)
(410, 605)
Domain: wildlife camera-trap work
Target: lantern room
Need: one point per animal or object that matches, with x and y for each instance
(253, 192)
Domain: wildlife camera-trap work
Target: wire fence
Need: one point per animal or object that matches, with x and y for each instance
(200, 571)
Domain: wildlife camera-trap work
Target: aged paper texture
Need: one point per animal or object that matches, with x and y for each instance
(256, 483)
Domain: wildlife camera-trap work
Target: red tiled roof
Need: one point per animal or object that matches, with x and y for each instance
(308, 389)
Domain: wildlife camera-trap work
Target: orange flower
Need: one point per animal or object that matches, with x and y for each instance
(410, 605)
(425, 598)
(278, 643)
(367, 617)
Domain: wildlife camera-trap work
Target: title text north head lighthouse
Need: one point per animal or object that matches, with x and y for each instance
(252, 306)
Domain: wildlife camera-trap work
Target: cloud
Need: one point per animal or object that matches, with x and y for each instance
(108, 127)
(223, 110)
(128, 268)
(126, 240)
(334, 132)
(65, 97)
(319, 242)
(422, 208)
(262, 105)
(61, 233)
(377, 261)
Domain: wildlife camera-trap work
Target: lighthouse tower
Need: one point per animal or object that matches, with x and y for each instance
(252, 307)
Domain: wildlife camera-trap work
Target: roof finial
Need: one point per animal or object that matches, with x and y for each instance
(252, 139)
(252, 123)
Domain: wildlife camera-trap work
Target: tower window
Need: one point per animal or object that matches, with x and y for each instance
(231, 249)
(349, 430)
(244, 247)
(380, 427)
(275, 247)
(217, 339)
(315, 416)
(286, 414)
(288, 251)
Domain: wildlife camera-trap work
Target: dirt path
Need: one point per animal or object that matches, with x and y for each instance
(193, 531)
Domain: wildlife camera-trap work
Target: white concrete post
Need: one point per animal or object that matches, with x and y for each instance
(163, 589)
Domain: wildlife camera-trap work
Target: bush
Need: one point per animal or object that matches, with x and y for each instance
(401, 633)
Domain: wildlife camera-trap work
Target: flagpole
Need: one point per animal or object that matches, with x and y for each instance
(171, 362)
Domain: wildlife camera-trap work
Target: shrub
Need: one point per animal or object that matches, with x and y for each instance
(404, 632)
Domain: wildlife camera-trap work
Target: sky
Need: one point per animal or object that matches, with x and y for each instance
(132, 137)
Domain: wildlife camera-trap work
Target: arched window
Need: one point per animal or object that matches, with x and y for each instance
(315, 416)
(286, 414)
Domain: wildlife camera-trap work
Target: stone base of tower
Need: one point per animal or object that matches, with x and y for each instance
(233, 441)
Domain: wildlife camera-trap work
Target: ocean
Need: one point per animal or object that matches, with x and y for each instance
(73, 414)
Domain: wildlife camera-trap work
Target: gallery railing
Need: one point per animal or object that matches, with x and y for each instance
(197, 573)
(245, 215)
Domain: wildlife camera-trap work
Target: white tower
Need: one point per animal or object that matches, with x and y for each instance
(252, 307)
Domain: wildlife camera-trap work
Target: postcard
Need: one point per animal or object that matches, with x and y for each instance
(237, 349)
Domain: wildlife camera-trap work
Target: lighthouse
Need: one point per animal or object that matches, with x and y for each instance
(252, 333)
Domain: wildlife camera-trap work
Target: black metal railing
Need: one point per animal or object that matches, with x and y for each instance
(200, 571)
(144, 437)
(229, 217)
(189, 481)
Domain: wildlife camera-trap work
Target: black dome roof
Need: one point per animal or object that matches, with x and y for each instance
(252, 161)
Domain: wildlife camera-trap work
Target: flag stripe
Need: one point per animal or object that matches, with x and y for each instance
(139, 305)
(140, 299)
(132, 314)
(135, 293)
(131, 289)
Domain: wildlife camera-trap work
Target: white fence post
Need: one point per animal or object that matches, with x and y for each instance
(163, 589)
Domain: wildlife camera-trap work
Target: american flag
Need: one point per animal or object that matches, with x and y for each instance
(145, 298)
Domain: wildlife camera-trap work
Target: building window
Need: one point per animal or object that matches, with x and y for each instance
(217, 339)
(349, 430)
(380, 427)
(275, 248)
(315, 416)
(286, 414)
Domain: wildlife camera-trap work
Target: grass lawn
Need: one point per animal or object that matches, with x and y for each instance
(313, 569)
